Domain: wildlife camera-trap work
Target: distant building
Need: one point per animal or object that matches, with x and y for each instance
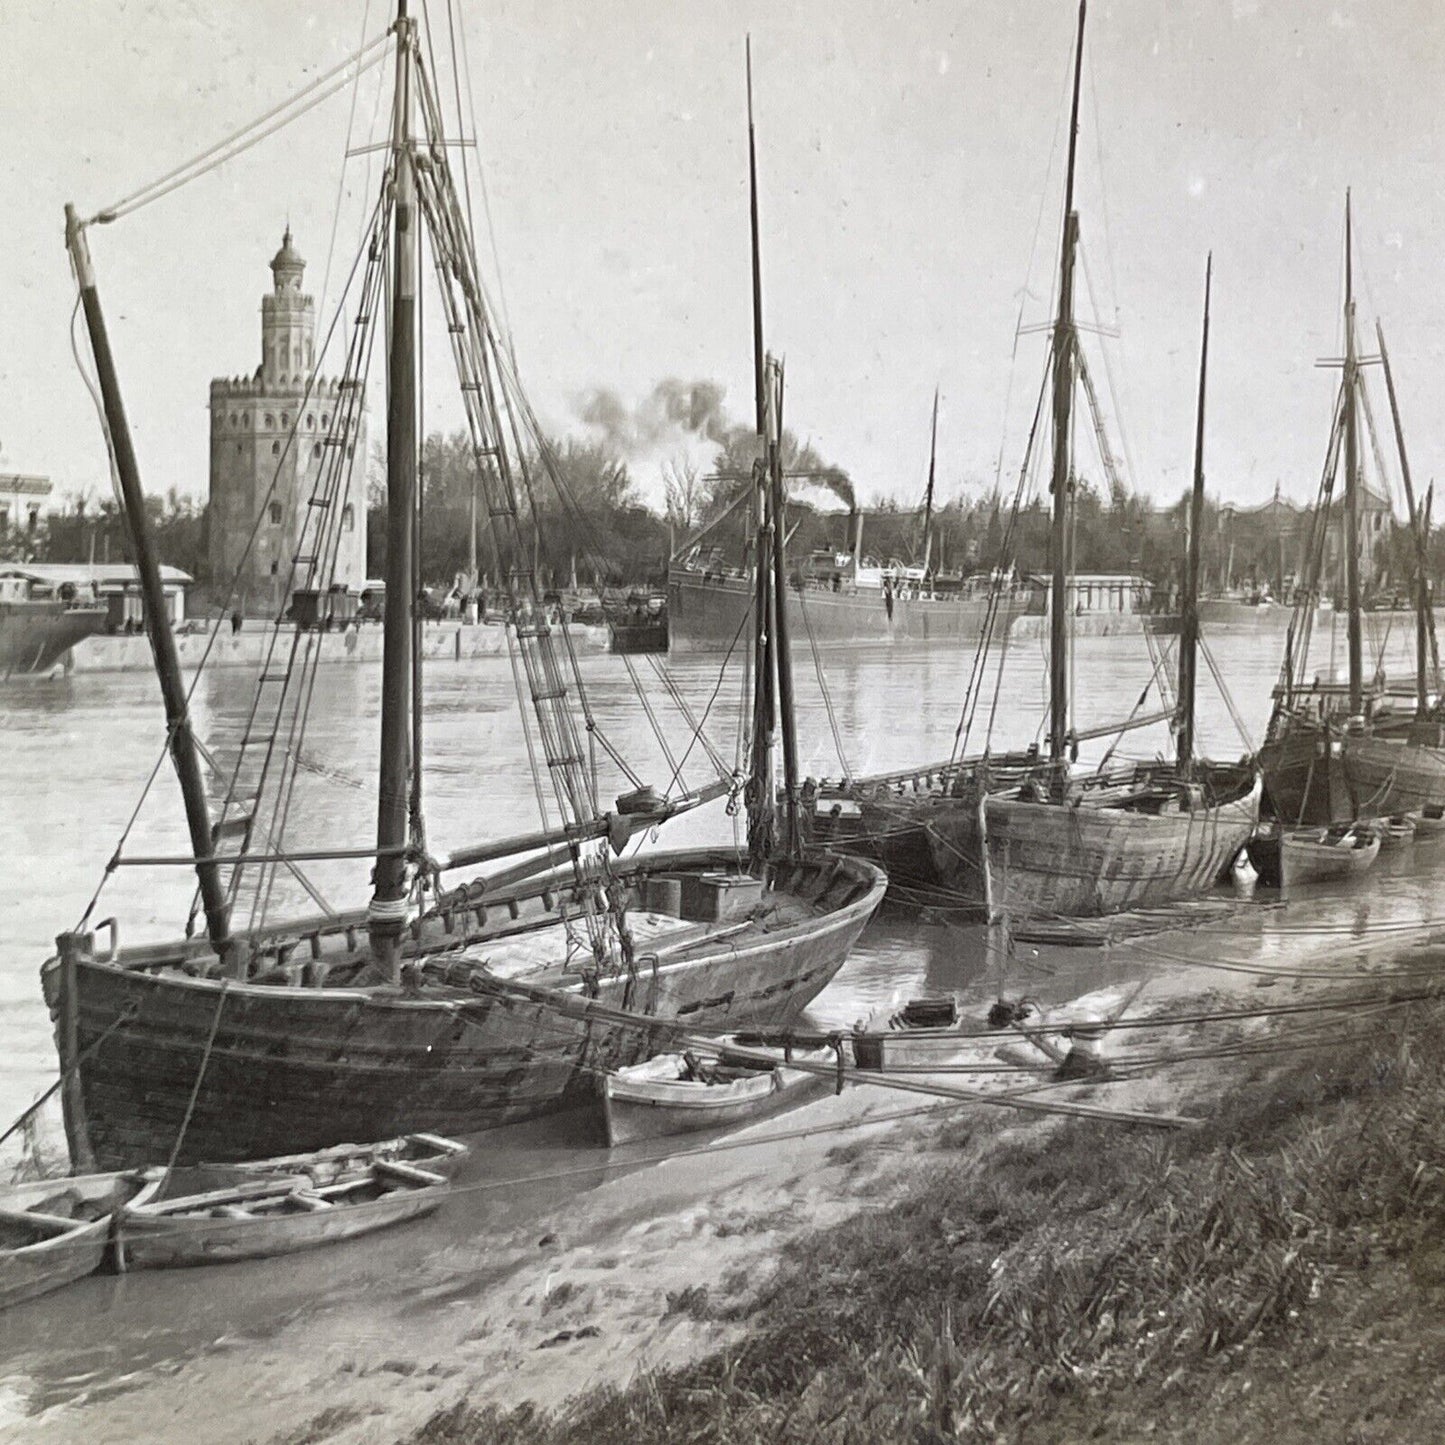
(270, 439)
(22, 500)
(112, 585)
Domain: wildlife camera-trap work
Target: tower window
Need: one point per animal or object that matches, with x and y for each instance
(348, 518)
(275, 511)
(310, 420)
(275, 568)
(325, 420)
(239, 447)
(275, 449)
(270, 422)
(316, 450)
(285, 422)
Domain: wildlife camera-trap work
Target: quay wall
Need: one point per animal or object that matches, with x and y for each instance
(441, 642)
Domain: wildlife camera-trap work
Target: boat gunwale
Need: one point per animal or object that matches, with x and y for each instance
(819, 925)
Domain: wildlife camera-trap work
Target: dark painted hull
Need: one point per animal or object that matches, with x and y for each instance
(34, 636)
(1394, 775)
(711, 616)
(298, 1068)
(1315, 777)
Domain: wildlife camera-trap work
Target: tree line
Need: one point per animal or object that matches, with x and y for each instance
(592, 523)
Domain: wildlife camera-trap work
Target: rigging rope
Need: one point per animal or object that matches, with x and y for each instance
(326, 85)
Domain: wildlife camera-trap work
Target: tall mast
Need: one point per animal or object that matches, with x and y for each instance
(386, 915)
(1065, 343)
(1352, 481)
(1189, 622)
(1425, 640)
(782, 656)
(182, 742)
(759, 381)
(928, 491)
(763, 809)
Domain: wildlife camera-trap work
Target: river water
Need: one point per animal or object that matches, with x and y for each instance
(77, 752)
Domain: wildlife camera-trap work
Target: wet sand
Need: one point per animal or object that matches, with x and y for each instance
(558, 1266)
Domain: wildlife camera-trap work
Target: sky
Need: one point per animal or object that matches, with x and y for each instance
(911, 190)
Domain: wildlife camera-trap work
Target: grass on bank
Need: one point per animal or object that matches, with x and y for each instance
(1087, 1280)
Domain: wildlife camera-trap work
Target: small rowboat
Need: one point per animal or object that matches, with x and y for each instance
(1430, 822)
(923, 1031)
(1395, 832)
(1310, 855)
(53, 1231)
(280, 1206)
(681, 1093)
(343, 1162)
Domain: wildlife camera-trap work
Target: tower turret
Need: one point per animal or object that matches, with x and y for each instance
(287, 323)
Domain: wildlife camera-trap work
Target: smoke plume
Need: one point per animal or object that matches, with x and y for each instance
(672, 410)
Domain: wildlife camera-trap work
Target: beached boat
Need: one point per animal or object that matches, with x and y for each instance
(922, 1031)
(1335, 752)
(276, 1210)
(343, 1162)
(428, 1009)
(54, 1231)
(1313, 855)
(1064, 843)
(699, 1088)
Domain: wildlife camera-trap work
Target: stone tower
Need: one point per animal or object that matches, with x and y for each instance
(311, 444)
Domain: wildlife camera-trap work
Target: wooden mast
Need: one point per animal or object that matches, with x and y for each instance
(1062, 482)
(1189, 620)
(928, 491)
(782, 656)
(762, 812)
(386, 915)
(184, 752)
(1352, 484)
(1425, 640)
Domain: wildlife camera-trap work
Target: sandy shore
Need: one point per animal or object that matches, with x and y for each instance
(557, 1267)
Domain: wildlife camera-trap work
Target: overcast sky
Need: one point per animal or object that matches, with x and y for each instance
(911, 189)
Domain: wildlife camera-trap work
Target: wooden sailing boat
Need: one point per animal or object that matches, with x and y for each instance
(1061, 844)
(1336, 753)
(430, 1009)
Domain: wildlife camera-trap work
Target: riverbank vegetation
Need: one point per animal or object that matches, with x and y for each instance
(1275, 1272)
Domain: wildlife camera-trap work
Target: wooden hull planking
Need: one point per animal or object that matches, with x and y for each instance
(61, 1247)
(637, 1107)
(1305, 858)
(297, 1068)
(1050, 860)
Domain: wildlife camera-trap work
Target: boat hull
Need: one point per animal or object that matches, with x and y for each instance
(1394, 775)
(711, 616)
(1313, 777)
(34, 636)
(1307, 859)
(1046, 859)
(157, 1236)
(71, 1247)
(301, 1068)
(636, 1108)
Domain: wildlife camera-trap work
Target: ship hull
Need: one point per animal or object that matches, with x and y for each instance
(34, 636)
(1394, 775)
(1315, 777)
(1052, 860)
(278, 1069)
(712, 616)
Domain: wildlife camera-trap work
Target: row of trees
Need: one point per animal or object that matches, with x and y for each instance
(595, 526)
